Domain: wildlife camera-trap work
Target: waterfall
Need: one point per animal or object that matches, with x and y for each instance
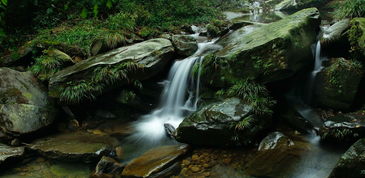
(318, 60)
(180, 97)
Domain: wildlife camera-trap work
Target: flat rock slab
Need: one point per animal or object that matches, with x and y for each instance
(7, 152)
(154, 161)
(75, 146)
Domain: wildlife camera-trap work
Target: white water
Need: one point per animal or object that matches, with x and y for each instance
(180, 97)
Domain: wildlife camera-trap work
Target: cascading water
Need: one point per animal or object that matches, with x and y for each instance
(179, 98)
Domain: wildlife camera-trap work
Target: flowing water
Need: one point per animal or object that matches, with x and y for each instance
(179, 98)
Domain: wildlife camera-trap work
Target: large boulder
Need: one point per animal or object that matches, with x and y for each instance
(344, 128)
(352, 163)
(75, 146)
(226, 123)
(24, 104)
(92, 77)
(338, 84)
(267, 53)
(357, 38)
(334, 41)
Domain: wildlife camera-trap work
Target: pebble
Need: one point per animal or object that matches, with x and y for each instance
(195, 169)
(195, 157)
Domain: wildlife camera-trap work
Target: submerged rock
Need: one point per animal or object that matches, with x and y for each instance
(9, 153)
(185, 45)
(155, 161)
(24, 104)
(75, 146)
(170, 130)
(338, 84)
(267, 52)
(275, 140)
(352, 163)
(123, 65)
(216, 124)
(108, 166)
(344, 127)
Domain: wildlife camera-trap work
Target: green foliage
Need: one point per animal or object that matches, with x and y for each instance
(245, 123)
(46, 66)
(100, 78)
(253, 93)
(350, 8)
(3, 5)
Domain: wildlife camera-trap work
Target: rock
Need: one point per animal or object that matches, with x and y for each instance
(125, 65)
(298, 4)
(275, 140)
(344, 127)
(24, 104)
(108, 165)
(154, 161)
(170, 130)
(334, 41)
(338, 84)
(352, 163)
(9, 153)
(357, 38)
(216, 124)
(57, 54)
(267, 52)
(74, 146)
(20, 57)
(185, 45)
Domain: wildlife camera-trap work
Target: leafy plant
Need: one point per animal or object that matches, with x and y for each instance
(350, 8)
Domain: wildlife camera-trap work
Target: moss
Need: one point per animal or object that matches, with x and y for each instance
(357, 38)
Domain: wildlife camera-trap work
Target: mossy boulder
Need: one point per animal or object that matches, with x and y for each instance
(226, 123)
(357, 38)
(185, 45)
(76, 146)
(24, 104)
(344, 128)
(267, 53)
(125, 65)
(352, 163)
(338, 84)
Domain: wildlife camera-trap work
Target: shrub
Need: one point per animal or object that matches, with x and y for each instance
(351, 9)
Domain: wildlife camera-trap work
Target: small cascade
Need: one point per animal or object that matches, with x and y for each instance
(256, 10)
(180, 97)
(318, 60)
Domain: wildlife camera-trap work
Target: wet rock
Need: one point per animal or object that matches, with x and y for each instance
(334, 41)
(154, 161)
(275, 140)
(267, 52)
(185, 45)
(24, 104)
(338, 84)
(75, 146)
(137, 62)
(9, 153)
(352, 163)
(216, 124)
(109, 166)
(170, 130)
(344, 127)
